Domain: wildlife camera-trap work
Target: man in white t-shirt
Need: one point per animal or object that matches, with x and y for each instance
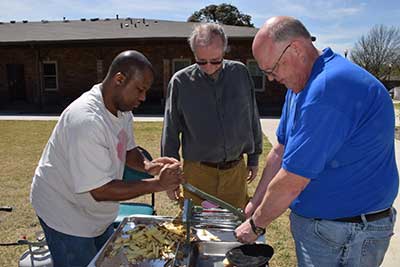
(78, 184)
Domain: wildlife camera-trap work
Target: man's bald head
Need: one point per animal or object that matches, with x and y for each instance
(280, 29)
(130, 63)
(285, 28)
(129, 77)
(284, 51)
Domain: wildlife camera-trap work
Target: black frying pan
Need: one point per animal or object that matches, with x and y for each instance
(250, 255)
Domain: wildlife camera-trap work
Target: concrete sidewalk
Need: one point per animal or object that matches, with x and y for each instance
(392, 257)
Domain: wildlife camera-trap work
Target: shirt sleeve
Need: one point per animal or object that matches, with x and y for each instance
(252, 159)
(89, 158)
(170, 142)
(316, 135)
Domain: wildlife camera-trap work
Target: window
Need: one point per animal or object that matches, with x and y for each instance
(180, 63)
(49, 72)
(257, 76)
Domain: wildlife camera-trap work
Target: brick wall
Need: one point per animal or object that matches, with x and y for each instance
(25, 56)
(78, 66)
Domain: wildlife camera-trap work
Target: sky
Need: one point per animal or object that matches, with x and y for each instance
(336, 24)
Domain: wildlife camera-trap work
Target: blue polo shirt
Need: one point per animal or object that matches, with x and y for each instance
(339, 133)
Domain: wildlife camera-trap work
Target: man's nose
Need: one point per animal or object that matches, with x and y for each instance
(142, 97)
(270, 77)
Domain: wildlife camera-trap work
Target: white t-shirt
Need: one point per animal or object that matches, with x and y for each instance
(86, 150)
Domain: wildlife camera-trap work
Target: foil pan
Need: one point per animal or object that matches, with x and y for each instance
(129, 223)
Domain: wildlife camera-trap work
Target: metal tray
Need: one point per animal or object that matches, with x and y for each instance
(120, 259)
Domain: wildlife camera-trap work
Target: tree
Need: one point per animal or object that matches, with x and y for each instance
(379, 51)
(223, 13)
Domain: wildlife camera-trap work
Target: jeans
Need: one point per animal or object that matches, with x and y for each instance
(326, 243)
(73, 251)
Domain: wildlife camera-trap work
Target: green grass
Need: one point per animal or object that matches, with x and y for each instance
(21, 144)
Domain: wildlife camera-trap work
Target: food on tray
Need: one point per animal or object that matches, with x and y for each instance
(226, 263)
(205, 235)
(147, 242)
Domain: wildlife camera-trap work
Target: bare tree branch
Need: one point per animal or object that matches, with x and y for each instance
(378, 51)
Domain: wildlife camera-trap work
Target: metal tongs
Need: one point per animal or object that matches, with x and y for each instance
(236, 211)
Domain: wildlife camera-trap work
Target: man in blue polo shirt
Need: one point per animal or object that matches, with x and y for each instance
(335, 164)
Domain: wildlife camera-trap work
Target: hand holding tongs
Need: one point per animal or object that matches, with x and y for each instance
(237, 211)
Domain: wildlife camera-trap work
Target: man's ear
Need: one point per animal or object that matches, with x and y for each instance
(119, 78)
(298, 49)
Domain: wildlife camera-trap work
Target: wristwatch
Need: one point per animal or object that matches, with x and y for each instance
(256, 229)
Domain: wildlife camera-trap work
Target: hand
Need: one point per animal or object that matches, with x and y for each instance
(154, 167)
(253, 170)
(171, 176)
(165, 160)
(174, 194)
(249, 209)
(244, 233)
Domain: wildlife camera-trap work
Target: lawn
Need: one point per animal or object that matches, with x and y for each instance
(21, 144)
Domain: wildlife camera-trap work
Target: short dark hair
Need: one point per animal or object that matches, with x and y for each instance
(289, 29)
(130, 63)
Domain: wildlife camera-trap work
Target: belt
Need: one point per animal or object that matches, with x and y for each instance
(369, 217)
(223, 165)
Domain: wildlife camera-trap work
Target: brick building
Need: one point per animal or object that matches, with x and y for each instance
(47, 64)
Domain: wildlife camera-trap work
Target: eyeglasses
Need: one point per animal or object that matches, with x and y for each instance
(212, 62)
(271, 72)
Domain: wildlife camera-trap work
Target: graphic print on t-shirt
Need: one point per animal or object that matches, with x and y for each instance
(122, 143)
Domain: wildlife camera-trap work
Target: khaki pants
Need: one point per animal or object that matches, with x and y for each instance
(229, 185)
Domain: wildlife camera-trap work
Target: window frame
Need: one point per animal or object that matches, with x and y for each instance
(250, 61)
(180, 60)
(49, 76)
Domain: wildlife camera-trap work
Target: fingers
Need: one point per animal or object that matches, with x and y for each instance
(165, 160)
(175, 166)
(249, 209)
(173, 194)
(251, 177)
(253, 170)
(244, 233)
(174, 169)
(171, 176)
(153, 168)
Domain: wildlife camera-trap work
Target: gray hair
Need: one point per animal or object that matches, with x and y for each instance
(204, 33)
(288, 29)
